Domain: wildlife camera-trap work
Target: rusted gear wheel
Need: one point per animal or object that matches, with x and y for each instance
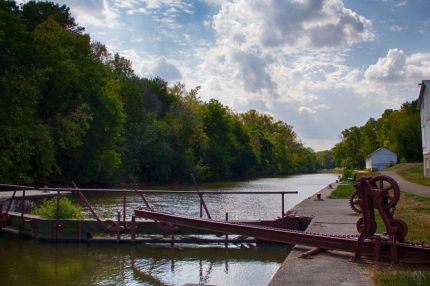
(402, 229)
(360, 226)
(355, 202)
(389, 188)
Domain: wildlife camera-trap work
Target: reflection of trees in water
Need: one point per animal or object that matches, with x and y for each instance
(145, 276)
(35, 263)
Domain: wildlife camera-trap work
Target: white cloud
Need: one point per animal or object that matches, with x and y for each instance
(166, 70)
(305, 109)
(216, 2)
(262, 43)
(291, 24)
(401, 4)
(94, 13)
(396, 3)
(398, 68)
(396, 28)
(167, 7)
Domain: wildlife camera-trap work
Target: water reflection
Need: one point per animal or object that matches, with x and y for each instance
(26, 262)
(238, 206)
(33, 263)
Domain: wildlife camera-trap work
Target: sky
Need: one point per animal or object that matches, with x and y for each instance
(321, 66)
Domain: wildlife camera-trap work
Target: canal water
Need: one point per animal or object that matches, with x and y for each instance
(27, 262)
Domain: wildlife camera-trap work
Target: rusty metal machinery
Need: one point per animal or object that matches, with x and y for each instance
(348, 243)
(381, 193)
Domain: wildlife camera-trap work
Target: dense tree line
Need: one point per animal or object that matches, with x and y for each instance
(69, 110)
(397, 130)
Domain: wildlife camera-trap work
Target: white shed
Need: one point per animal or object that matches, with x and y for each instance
(380, 159)
(424, 107)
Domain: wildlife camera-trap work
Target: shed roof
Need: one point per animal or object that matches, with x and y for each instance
(377, 150)
(424, 84)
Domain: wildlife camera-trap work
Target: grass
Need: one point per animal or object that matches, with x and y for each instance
(414, 173)
(343, 191)
(395, 167)
(400, 278)
(415, 211)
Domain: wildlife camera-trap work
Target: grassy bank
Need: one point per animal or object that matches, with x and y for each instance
(413, 173)
(343, 191)
(402, 277)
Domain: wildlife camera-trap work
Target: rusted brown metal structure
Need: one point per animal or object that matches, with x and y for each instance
(124, 228)
(379, 193)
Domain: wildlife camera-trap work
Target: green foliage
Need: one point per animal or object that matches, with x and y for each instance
(397, 130)
(69, 110)
(67, 209)
(347, 175)
(325, 159)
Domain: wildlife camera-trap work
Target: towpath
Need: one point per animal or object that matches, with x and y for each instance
(327, 268)
(405, 185)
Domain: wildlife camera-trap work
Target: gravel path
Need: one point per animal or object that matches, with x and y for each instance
(407, 186)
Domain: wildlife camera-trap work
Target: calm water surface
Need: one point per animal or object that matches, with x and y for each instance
(26, 262)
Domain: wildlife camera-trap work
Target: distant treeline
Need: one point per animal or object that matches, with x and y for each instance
(69, 110)
(397, 130)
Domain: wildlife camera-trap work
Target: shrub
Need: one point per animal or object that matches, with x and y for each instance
(48, 208)
(347, 175)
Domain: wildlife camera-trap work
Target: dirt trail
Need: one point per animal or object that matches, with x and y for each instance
(407, 186)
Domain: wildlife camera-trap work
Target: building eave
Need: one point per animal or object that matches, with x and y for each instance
(424, 84)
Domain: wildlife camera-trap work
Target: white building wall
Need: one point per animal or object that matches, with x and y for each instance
(381, 159)
(425, 130)
(368, 163)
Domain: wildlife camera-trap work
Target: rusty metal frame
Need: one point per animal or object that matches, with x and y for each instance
(348, 243)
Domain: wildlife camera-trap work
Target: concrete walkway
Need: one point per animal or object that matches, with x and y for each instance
(327, 268)
(407, 186)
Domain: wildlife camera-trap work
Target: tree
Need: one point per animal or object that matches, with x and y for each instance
(35, 13)
(70, 110)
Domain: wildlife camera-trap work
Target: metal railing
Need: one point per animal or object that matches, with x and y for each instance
(121, 222)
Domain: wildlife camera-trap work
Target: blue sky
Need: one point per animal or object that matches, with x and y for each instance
(320, 66)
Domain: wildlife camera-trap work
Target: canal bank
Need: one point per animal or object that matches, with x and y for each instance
(331, 267)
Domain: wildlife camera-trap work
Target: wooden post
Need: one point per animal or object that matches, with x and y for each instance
(133, 228)
(283, 205)
(21, 227)
(1, 215)
(118, 236)
(58, 205)
(124, 210)
(226, 236)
